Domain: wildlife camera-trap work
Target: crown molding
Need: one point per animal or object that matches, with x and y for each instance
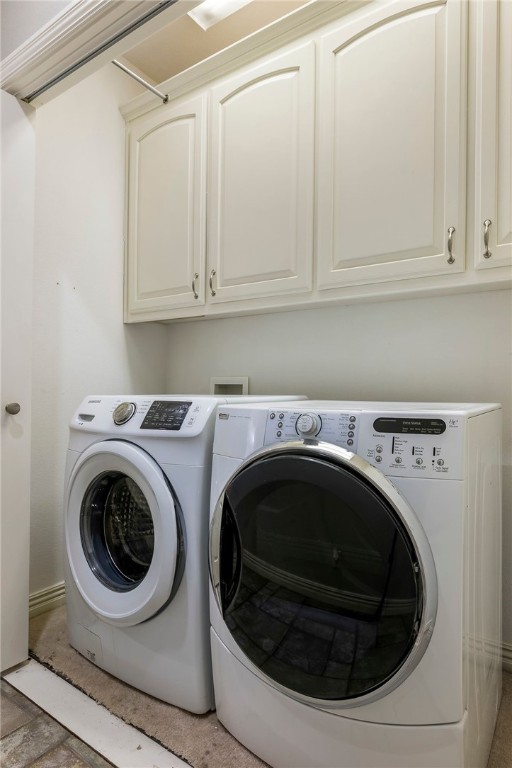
(76, 33)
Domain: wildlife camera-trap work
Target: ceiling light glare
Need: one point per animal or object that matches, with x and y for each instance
(212, 11)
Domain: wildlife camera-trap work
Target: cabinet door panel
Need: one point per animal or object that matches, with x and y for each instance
(166, 209)
(261, 201)
(391, 148)
(493, 133)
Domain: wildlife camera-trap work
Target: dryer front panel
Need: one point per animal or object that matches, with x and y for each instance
(124, 533)
(322, 573)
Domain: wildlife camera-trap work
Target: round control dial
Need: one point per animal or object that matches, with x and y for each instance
(308, 424)
(123, 413)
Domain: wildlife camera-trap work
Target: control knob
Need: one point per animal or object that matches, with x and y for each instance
(308, 424)
(123, 413)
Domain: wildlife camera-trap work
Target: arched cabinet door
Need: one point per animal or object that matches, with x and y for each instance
(260, 219)
(391, 144)
(492, 221)
(166, 209)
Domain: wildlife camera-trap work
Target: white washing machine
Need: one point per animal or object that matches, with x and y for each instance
(136, 531)
(355, 564)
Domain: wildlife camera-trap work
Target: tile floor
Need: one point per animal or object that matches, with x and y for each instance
(30, 737)
(51, 724)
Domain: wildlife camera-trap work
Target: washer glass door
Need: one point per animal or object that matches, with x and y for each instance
(321, 580)
(117, 531)
(124, 533)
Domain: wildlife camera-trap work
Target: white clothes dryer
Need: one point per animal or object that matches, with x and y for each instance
(136, 537)
(355, 563)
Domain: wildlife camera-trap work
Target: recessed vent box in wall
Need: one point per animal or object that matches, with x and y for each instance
(230, 385)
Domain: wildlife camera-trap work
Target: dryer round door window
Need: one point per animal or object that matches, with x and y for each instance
(124, 533)
(323, 574)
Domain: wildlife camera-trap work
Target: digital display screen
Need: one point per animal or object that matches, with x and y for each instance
(408, 426)
(166, 414)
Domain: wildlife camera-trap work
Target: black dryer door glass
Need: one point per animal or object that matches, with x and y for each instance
(319, 578)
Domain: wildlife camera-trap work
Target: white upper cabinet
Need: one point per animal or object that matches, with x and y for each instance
(166, 208)
(392, 144)
(492, 232)
(260, 205)
(331, 168)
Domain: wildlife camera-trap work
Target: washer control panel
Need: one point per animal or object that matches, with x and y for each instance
(335, 427)
(166, 414)
(145, 415)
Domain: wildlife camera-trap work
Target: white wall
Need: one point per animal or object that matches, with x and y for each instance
(454, 348)
(80, 343)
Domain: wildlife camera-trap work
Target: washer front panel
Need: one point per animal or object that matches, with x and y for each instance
(322, 573)
(124, 533)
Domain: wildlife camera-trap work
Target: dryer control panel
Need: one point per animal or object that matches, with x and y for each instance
(414, 445)
(418, 444)
(340, 428)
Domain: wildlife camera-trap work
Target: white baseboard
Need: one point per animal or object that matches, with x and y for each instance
(507, 657)
(46, 599)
